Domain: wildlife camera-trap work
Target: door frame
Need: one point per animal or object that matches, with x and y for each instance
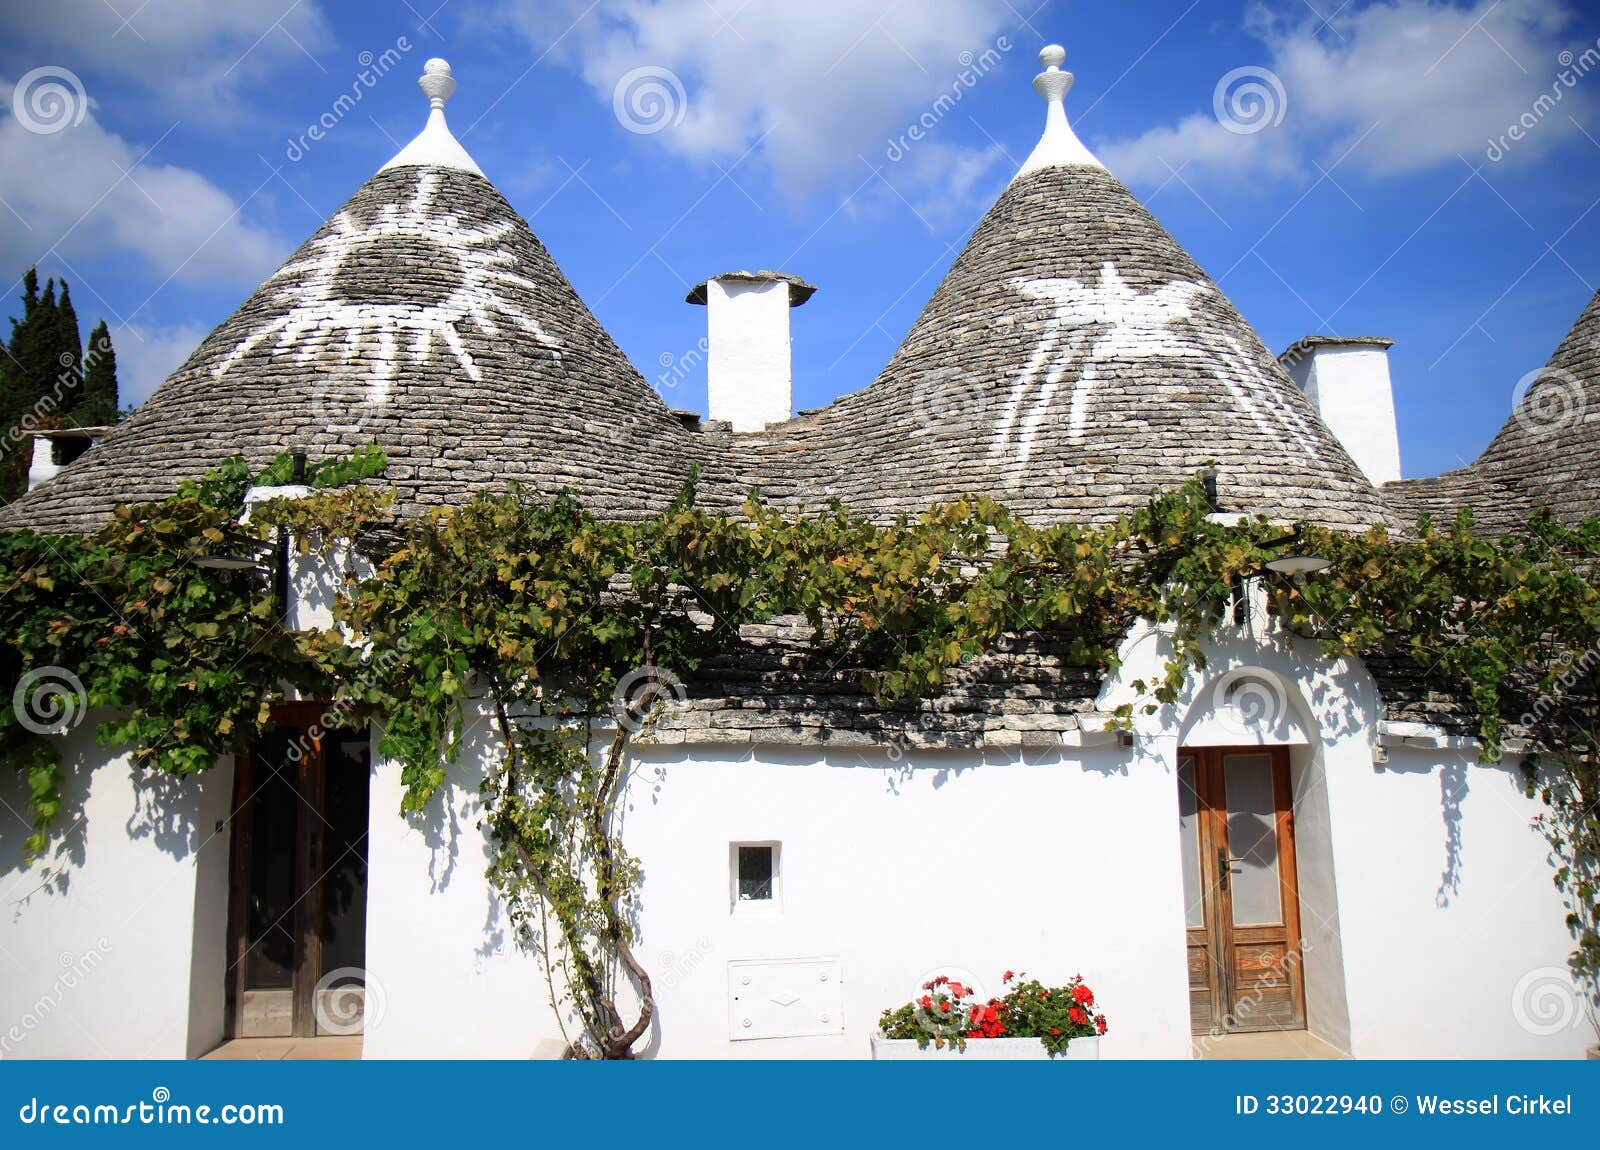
(1221, 937)
(305, 719)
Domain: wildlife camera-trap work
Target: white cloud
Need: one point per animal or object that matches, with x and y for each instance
(83, 193)
(195, 53)
(944, 184)
(1401, 85)
(147, 355)
(809, 89)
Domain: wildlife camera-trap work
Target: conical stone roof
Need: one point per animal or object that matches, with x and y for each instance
(1550, 447)
(424, 316)
(1074, 360)
(1546, 456)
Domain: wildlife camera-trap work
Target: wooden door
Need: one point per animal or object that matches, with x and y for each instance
(297, 903)
(1236, 816)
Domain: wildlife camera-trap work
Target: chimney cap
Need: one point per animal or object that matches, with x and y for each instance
(1312, 342)
(93, 432)
(799, 289)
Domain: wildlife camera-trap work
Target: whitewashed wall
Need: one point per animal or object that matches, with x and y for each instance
(1453, 932)
(1054, 863)
(113, 946)
(898, 870)
(445, 979)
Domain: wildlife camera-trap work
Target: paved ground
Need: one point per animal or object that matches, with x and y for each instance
(1289, 1044)
(289, 1049)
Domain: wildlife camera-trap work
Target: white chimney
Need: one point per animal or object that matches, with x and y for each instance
(1347, 381)
(65, 443)
(42, 467)
(748, 372)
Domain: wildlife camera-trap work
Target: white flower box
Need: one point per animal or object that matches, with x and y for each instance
(984, 1050)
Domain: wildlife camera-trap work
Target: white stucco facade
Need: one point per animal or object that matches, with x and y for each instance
(112, 946)
(1430, 926)
(1422, 887)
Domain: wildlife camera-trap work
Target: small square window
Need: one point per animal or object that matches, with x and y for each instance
(755, 875)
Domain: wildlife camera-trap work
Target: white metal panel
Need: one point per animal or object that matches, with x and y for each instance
(785, 998)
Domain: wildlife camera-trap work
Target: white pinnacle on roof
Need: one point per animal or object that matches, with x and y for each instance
(1059, 145)
(435, 146)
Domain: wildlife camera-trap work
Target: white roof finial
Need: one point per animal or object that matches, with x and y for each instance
(437, 83)
(1060, 144)
(435, 146)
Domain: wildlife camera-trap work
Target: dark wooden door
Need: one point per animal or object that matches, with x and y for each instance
(1236, 816)
(297, 906)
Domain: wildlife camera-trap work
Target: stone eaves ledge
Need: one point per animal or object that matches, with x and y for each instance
(781, 688)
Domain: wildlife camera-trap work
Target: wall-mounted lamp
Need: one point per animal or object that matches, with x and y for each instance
(1292, 563)
(247, 554)
(237, 557)
(1299, 564)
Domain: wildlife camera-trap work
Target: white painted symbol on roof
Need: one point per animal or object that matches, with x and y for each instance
(343, 301)
(1112, 320)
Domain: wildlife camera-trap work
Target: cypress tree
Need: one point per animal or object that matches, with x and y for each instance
(36, 354)
(18, 395)
(100, 400)
(65, 385)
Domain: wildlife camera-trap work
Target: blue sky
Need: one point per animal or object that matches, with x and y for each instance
(1378, 194)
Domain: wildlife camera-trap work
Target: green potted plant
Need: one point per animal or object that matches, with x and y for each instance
(1030, 1021)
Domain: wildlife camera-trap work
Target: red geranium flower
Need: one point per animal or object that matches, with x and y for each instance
(1083, 994)
(1100, 1024)
(1008, 976)
(1077, 1015)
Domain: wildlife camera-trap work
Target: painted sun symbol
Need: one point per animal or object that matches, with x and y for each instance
(399, 283)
